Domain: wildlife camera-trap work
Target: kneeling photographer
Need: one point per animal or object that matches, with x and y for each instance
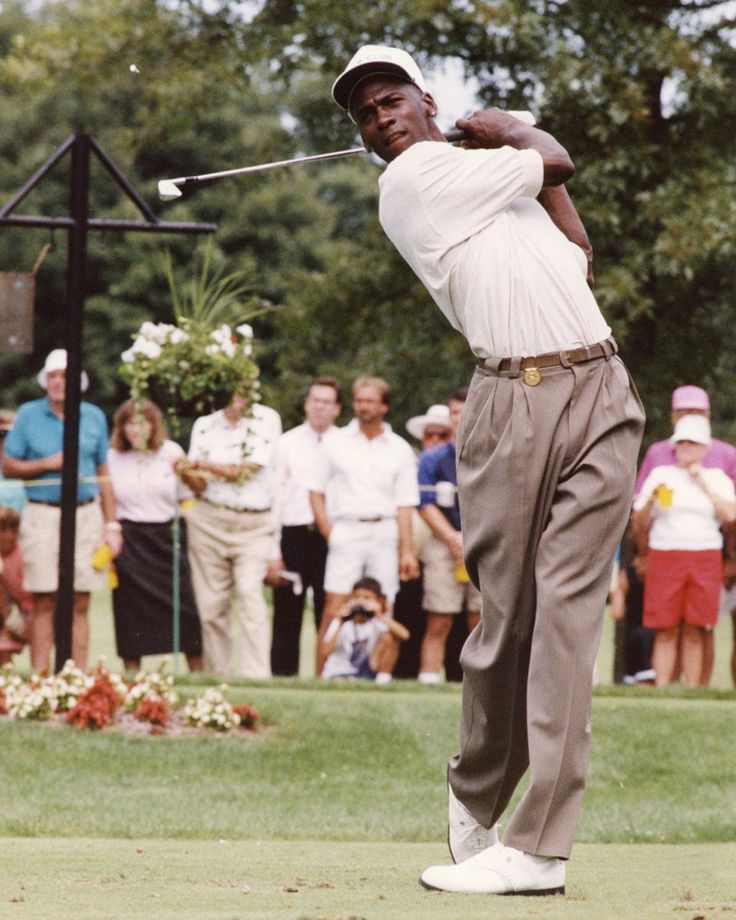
(363, 642)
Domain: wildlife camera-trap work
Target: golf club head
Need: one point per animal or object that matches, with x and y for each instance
(168, 190)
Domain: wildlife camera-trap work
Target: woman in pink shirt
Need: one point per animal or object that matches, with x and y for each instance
(142, 468)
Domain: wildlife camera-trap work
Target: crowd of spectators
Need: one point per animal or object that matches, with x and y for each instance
(353, 519)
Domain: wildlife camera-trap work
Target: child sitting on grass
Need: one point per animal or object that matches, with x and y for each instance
(363, 641)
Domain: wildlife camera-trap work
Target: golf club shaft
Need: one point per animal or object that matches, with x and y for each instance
(183, 182)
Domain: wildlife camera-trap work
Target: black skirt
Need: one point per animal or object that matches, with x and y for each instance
(143, 601)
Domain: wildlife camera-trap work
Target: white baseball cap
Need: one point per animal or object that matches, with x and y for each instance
(694, 428)
(375, 59)
(56, 361)
(438, 415)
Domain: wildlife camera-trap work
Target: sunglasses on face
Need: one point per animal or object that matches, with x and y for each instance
(4, 432)
(440, 435)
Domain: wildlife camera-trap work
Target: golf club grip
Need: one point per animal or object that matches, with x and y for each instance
(455, 135)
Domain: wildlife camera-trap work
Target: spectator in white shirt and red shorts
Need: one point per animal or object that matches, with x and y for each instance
(685, 503)
(369, 474)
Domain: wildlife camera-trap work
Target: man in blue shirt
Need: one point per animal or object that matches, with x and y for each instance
(447, 588)
(33, 451)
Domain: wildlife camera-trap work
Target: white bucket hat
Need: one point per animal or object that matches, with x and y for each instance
(436, 415)
(375, 59)
(694, 428)
(56, 361)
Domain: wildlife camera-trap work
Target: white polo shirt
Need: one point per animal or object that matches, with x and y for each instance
(294, 460)
(365, 477)
(691, 523)
(254, 439)
(468, 224)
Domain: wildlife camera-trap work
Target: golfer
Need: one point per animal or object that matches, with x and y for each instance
(546, 453)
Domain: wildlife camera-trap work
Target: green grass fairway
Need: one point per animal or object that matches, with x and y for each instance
(91, 879)
(333, 811)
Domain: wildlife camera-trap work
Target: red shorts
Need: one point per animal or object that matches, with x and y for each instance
(682, 585)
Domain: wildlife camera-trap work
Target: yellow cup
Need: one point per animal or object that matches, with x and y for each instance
(664, 496)
(461, 574)
(102, 557)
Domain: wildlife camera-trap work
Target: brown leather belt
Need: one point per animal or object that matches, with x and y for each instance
(556, 358)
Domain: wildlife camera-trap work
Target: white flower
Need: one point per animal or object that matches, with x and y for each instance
(246, 330)
(156, 332)
(128, 357)
(212, 350)
(146, 347)
(176, 336)
(247, 349)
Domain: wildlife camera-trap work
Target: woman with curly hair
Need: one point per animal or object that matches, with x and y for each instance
(142, 463)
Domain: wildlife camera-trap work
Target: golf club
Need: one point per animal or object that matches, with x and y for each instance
(170, 189)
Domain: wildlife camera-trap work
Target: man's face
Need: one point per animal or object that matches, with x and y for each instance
(391, 115)
(456, 410)
(56, 386)
(368, 405)
(321, 407)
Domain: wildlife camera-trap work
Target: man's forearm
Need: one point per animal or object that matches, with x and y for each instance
(406, 542)
(557, 203)
(319, 510)
(437, 523)
(24, 469)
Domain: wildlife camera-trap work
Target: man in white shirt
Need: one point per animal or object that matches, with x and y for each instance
(370, 475)
(230, 531)
(298, 547)
(546, 454)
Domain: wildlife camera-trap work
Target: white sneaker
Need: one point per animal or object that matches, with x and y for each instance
(465, 837)
(499, 870)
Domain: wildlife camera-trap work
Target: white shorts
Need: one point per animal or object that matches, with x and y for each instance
(359, 548)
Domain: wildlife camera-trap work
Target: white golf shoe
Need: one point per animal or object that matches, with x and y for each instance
(465, 837)
(499, 870)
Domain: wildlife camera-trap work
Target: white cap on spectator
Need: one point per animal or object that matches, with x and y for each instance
(694, 428)
(56, 361)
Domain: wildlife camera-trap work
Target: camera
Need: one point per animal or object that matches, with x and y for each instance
(359, 610)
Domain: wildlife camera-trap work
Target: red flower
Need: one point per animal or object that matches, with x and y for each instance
(249, 715)
(154, 710)
(96, 706)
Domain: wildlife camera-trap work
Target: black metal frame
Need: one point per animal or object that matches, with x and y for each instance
(81, 146)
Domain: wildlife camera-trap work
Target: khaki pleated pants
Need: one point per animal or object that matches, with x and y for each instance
(228, 552)
(546, 475)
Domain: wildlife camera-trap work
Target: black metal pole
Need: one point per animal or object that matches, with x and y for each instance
(79, 210)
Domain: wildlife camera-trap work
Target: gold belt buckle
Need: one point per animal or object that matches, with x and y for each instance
(532, 376)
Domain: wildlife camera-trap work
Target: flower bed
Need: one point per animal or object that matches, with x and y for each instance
(100, 699)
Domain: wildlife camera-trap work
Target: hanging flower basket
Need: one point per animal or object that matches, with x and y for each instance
(195, 366)
(190, 369)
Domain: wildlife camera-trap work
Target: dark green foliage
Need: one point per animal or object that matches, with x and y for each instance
(643, 95)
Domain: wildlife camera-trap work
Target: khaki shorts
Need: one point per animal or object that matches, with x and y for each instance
(443, 593)
(39, 540)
